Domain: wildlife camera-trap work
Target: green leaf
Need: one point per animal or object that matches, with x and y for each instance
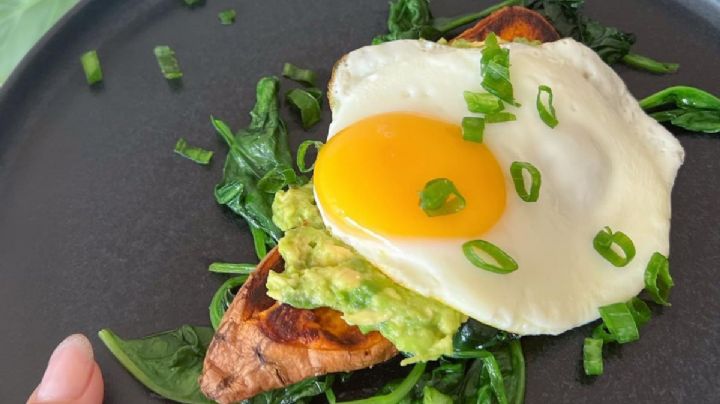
(253, 153)
(306, 104)
(227, 17)
(687, 107)
(168, 63)
(298, 393)
(641, 62)
(168, 363)
(22, 24)
(223, 297)
(231, 268)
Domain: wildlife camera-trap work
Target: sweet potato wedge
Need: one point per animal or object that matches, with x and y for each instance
(510, 23)
(262, 344)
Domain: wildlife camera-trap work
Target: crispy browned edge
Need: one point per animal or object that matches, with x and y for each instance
(510, 23)
(262, 345)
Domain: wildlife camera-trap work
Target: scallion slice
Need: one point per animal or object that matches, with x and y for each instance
(168, 63)
(302, 151)
(231, 268)
(192, 3)
(516, 172)
(639, 310)
(227, 17)
(441, 197)
(306, 104)
(196, 154)
(547, 114)
(91, 66)
(495, 68)
(482, 103)
(295, 73)
(504, 262)
(620, 322)
(658, 281)
(604, 241)
(592, 356)
(473, 128)
(315, 92)
(498, 117)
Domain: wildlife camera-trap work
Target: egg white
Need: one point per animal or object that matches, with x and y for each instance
(606, 164)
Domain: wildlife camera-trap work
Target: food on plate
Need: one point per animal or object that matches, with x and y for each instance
(512, 22)
(263, 345)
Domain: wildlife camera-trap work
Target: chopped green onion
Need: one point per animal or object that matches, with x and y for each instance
(307, 104)
(620, 322)
(516, 172)
(222, 298)
(196, 154)
(440, 197)
(651, 65)
(505, 263)
(601, 332)
(547, 114)
(399, 392)
(658, 281)
(259, 241)
(302, 151)
(295, 73)
(603, 243)
(639, 310)
(229, 268)
(168, 63)
(473, 128)
(498, 117)
(192, 3)
(227, 17)
(495, 67)
(91, 65)
(315, 92)
(482, 103)
(276, 179)
(592, 356)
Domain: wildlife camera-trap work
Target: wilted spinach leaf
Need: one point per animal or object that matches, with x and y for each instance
(258, 163)
(300, 393)
(168, 363)
(687, 107)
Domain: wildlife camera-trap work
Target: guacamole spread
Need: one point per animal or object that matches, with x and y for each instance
(321, 271)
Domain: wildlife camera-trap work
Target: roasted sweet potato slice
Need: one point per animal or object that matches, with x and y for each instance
(510, 23)
(262, 344)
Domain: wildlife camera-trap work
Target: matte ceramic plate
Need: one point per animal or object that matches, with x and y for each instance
(101, 225)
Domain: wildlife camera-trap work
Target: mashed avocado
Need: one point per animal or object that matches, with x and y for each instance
(321, 271)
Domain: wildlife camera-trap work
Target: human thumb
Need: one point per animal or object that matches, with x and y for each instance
(72, 375)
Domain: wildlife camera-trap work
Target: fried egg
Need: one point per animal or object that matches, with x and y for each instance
(397, 110)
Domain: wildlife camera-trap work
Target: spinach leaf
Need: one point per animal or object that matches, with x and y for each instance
(223, 297)
(687, 107)
(612, 44)
(258, 164)
(412, 19)
(474, 335)
(168, 363)
(300, 393)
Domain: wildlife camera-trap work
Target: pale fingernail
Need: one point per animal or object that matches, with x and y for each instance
(68, 371)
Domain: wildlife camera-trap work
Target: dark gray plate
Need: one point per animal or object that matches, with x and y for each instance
(102, 226)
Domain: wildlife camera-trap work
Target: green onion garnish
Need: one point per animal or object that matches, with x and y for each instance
(495, 67)
(168, 63)
(315, 92)
(196, 154)
(302, 151)
(276, 179)
(498, 117)
(482, 103)
(227, 17)
(516, 172)
(295, 73)
(473, 128)
(603, 243)
(620, 322)
(601, 332)
(658, 281)
(307, 104)
(592, 356)
(230, 268)
(504, 263)
(440, 197)
(192, 3)
(639, 310)
(547, 114)
(91, 66)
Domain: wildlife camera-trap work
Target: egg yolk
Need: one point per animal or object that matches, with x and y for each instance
(370, 175)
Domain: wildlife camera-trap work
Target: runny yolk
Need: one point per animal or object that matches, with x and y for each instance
(372, 172)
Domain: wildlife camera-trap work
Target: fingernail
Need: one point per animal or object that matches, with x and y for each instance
(68, 371)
